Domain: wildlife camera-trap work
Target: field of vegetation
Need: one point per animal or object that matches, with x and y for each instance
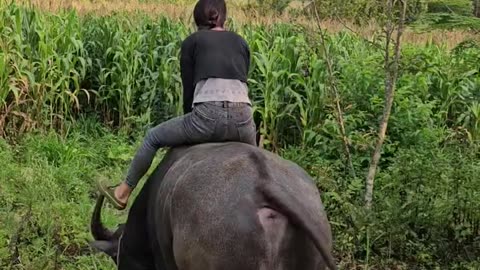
(78, 89)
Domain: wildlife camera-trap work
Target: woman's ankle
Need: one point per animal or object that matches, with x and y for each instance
(122, 192)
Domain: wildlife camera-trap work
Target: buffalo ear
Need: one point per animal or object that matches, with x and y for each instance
(105, 246)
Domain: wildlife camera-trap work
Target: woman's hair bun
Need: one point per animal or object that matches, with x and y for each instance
(210, 13)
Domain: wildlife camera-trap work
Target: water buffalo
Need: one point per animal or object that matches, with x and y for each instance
(221, 206)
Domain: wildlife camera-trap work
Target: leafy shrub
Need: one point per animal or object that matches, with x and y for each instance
(425, 206)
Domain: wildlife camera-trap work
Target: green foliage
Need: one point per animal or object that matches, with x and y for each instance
(126, 70)
(78, 74)
(425, 207)
(459, 7)
(446, 21)
(47, 196)
(425, 214)
(427, 14)
(135, 68)
(364, 11)
(68, 66)
(43, 65)
(426, 191)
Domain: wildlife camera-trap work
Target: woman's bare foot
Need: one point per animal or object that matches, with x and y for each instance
(122, 192)
(117, 196)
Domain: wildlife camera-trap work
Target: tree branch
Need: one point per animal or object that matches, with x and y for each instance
(333, 86)
(390, 82)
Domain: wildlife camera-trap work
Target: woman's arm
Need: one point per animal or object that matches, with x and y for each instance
(187, 73)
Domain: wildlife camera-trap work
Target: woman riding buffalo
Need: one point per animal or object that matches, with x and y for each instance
(214, 64)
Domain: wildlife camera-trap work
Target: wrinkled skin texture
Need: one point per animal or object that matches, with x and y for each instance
(223, 206)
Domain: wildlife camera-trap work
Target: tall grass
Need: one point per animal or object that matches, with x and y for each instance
(46, 199)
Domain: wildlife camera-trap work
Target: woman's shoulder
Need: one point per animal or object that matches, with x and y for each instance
(238, 36)
(223, 34)
(234, 34)
(189, 42)
(208, 36)
(190, 37)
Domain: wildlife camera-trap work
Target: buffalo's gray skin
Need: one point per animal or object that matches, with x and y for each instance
(228, 206)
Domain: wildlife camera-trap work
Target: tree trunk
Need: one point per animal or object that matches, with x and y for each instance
(476, 8)
(391, 75)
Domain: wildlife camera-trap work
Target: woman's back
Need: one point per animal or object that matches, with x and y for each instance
(217, 54)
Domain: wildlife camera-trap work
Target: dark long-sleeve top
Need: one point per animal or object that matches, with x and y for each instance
(212, 54)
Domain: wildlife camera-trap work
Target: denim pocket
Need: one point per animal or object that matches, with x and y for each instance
(200, 125)
(204, 112)
(246, 127)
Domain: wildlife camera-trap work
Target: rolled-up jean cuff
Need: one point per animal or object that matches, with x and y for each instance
(129, 183)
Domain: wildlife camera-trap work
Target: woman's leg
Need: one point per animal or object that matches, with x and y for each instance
(169, 133)
(188, 128)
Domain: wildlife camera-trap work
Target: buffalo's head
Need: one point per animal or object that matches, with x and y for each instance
(106, 240)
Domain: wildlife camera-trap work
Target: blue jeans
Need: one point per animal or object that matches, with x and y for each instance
(208, 122)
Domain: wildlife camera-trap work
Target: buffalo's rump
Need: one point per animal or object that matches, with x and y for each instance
(208, 213)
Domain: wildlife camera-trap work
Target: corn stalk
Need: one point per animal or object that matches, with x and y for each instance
(391, 68)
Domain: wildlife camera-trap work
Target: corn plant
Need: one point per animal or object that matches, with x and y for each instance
(46, 63)
(125, 69)
(279, 85)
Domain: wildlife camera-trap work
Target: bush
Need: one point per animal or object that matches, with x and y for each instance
(424, 207)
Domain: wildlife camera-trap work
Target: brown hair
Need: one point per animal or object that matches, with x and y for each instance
(210, 13)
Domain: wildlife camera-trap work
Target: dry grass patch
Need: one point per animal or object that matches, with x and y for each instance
(182, 10)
